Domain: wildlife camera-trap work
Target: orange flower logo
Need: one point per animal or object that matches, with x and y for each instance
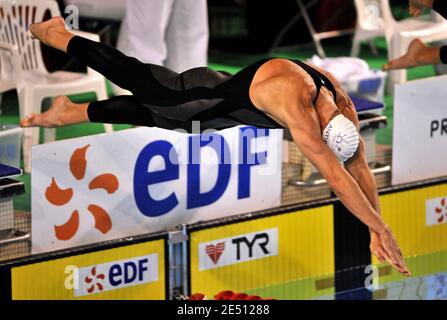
(60, 197)
(98, 279)
(441, 211)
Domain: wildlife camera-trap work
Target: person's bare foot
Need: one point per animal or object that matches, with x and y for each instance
(45, 31)
(418, 54)
(52, 118)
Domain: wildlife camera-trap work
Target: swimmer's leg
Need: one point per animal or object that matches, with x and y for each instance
(120, 110)
(113, 64)
(151, 84)
(117, 110)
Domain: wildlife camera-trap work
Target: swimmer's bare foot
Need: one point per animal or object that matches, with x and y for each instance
(44, 30)
(51, 118)
(418, 54)
(52, 33)
(62, 112)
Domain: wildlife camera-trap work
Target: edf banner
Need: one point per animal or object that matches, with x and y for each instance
(142, 180)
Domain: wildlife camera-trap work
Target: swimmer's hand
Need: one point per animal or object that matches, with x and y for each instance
(384, 246)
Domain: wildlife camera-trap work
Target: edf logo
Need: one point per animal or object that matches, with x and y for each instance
(237, 249)
(128, 272)
(112, 275)
(152, 205)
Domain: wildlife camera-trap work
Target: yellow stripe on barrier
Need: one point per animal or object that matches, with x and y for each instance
(128, 272)
(272, 255)
(412, 216)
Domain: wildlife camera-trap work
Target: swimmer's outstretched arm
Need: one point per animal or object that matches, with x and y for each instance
(358, 167)
(308, 139)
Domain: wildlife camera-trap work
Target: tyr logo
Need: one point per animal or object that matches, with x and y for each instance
(262, 240)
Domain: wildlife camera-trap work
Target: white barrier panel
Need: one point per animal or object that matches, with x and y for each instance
(142, 180)
(420, 130)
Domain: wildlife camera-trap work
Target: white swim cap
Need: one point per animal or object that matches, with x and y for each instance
(342, 137)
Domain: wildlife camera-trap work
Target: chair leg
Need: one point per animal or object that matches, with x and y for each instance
(101, 94)
(356, 43)
(49, 134)
(319, 47)
(108, 128)
(30, 135)
(313, 32)
(30, 138)
(373, 47)
(398, 77)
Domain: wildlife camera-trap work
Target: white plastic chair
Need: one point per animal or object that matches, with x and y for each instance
(398, 34)
(369, 25)
(7, 62)
(33, 82)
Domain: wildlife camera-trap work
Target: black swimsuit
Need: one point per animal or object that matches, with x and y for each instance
(169, 100)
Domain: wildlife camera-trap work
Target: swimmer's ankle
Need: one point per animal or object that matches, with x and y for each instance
(59, 39)
(74, 114)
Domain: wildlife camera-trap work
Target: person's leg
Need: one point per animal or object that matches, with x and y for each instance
(143, 32)
(116, 110)
(418, 54)
(114, 65)
(122, 70)
(187, 35)
(120, 110)
(151, 84)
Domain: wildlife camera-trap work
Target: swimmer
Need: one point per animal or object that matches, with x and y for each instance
(271, 93)
(419, 54)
